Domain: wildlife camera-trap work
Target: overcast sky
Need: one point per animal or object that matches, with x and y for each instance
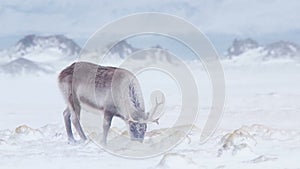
(221, 20)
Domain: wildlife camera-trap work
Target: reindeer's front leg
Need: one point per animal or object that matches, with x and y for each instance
(106, 125)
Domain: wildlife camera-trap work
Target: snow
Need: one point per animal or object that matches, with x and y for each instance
(260, 127)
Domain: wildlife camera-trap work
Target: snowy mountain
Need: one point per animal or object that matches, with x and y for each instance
(123, 49)
(250, 48)
(38, 54)
(60, 42)
(240, 46)
(23, 66)
(49, 54)
(282, 49)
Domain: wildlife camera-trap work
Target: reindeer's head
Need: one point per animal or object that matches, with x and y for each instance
(137, 129)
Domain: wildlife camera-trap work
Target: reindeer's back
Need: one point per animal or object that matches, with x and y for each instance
(94, 84)
(87, 72)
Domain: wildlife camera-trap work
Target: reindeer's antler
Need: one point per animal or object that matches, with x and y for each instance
(154, 109)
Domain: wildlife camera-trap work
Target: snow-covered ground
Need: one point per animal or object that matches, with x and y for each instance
(259, 129)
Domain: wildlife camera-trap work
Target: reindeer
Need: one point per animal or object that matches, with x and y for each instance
(109, 90)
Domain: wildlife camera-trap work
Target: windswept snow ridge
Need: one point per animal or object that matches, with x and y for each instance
(247, 147)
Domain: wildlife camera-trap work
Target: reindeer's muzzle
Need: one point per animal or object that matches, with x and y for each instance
(141, 140)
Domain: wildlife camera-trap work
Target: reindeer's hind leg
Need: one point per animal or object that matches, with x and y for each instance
(106, 125)
(75, 105)
(67, 115)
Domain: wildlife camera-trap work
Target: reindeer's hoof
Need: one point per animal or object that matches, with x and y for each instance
(83, 141)
(103, 143)
(77, 142)
(72, 141)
